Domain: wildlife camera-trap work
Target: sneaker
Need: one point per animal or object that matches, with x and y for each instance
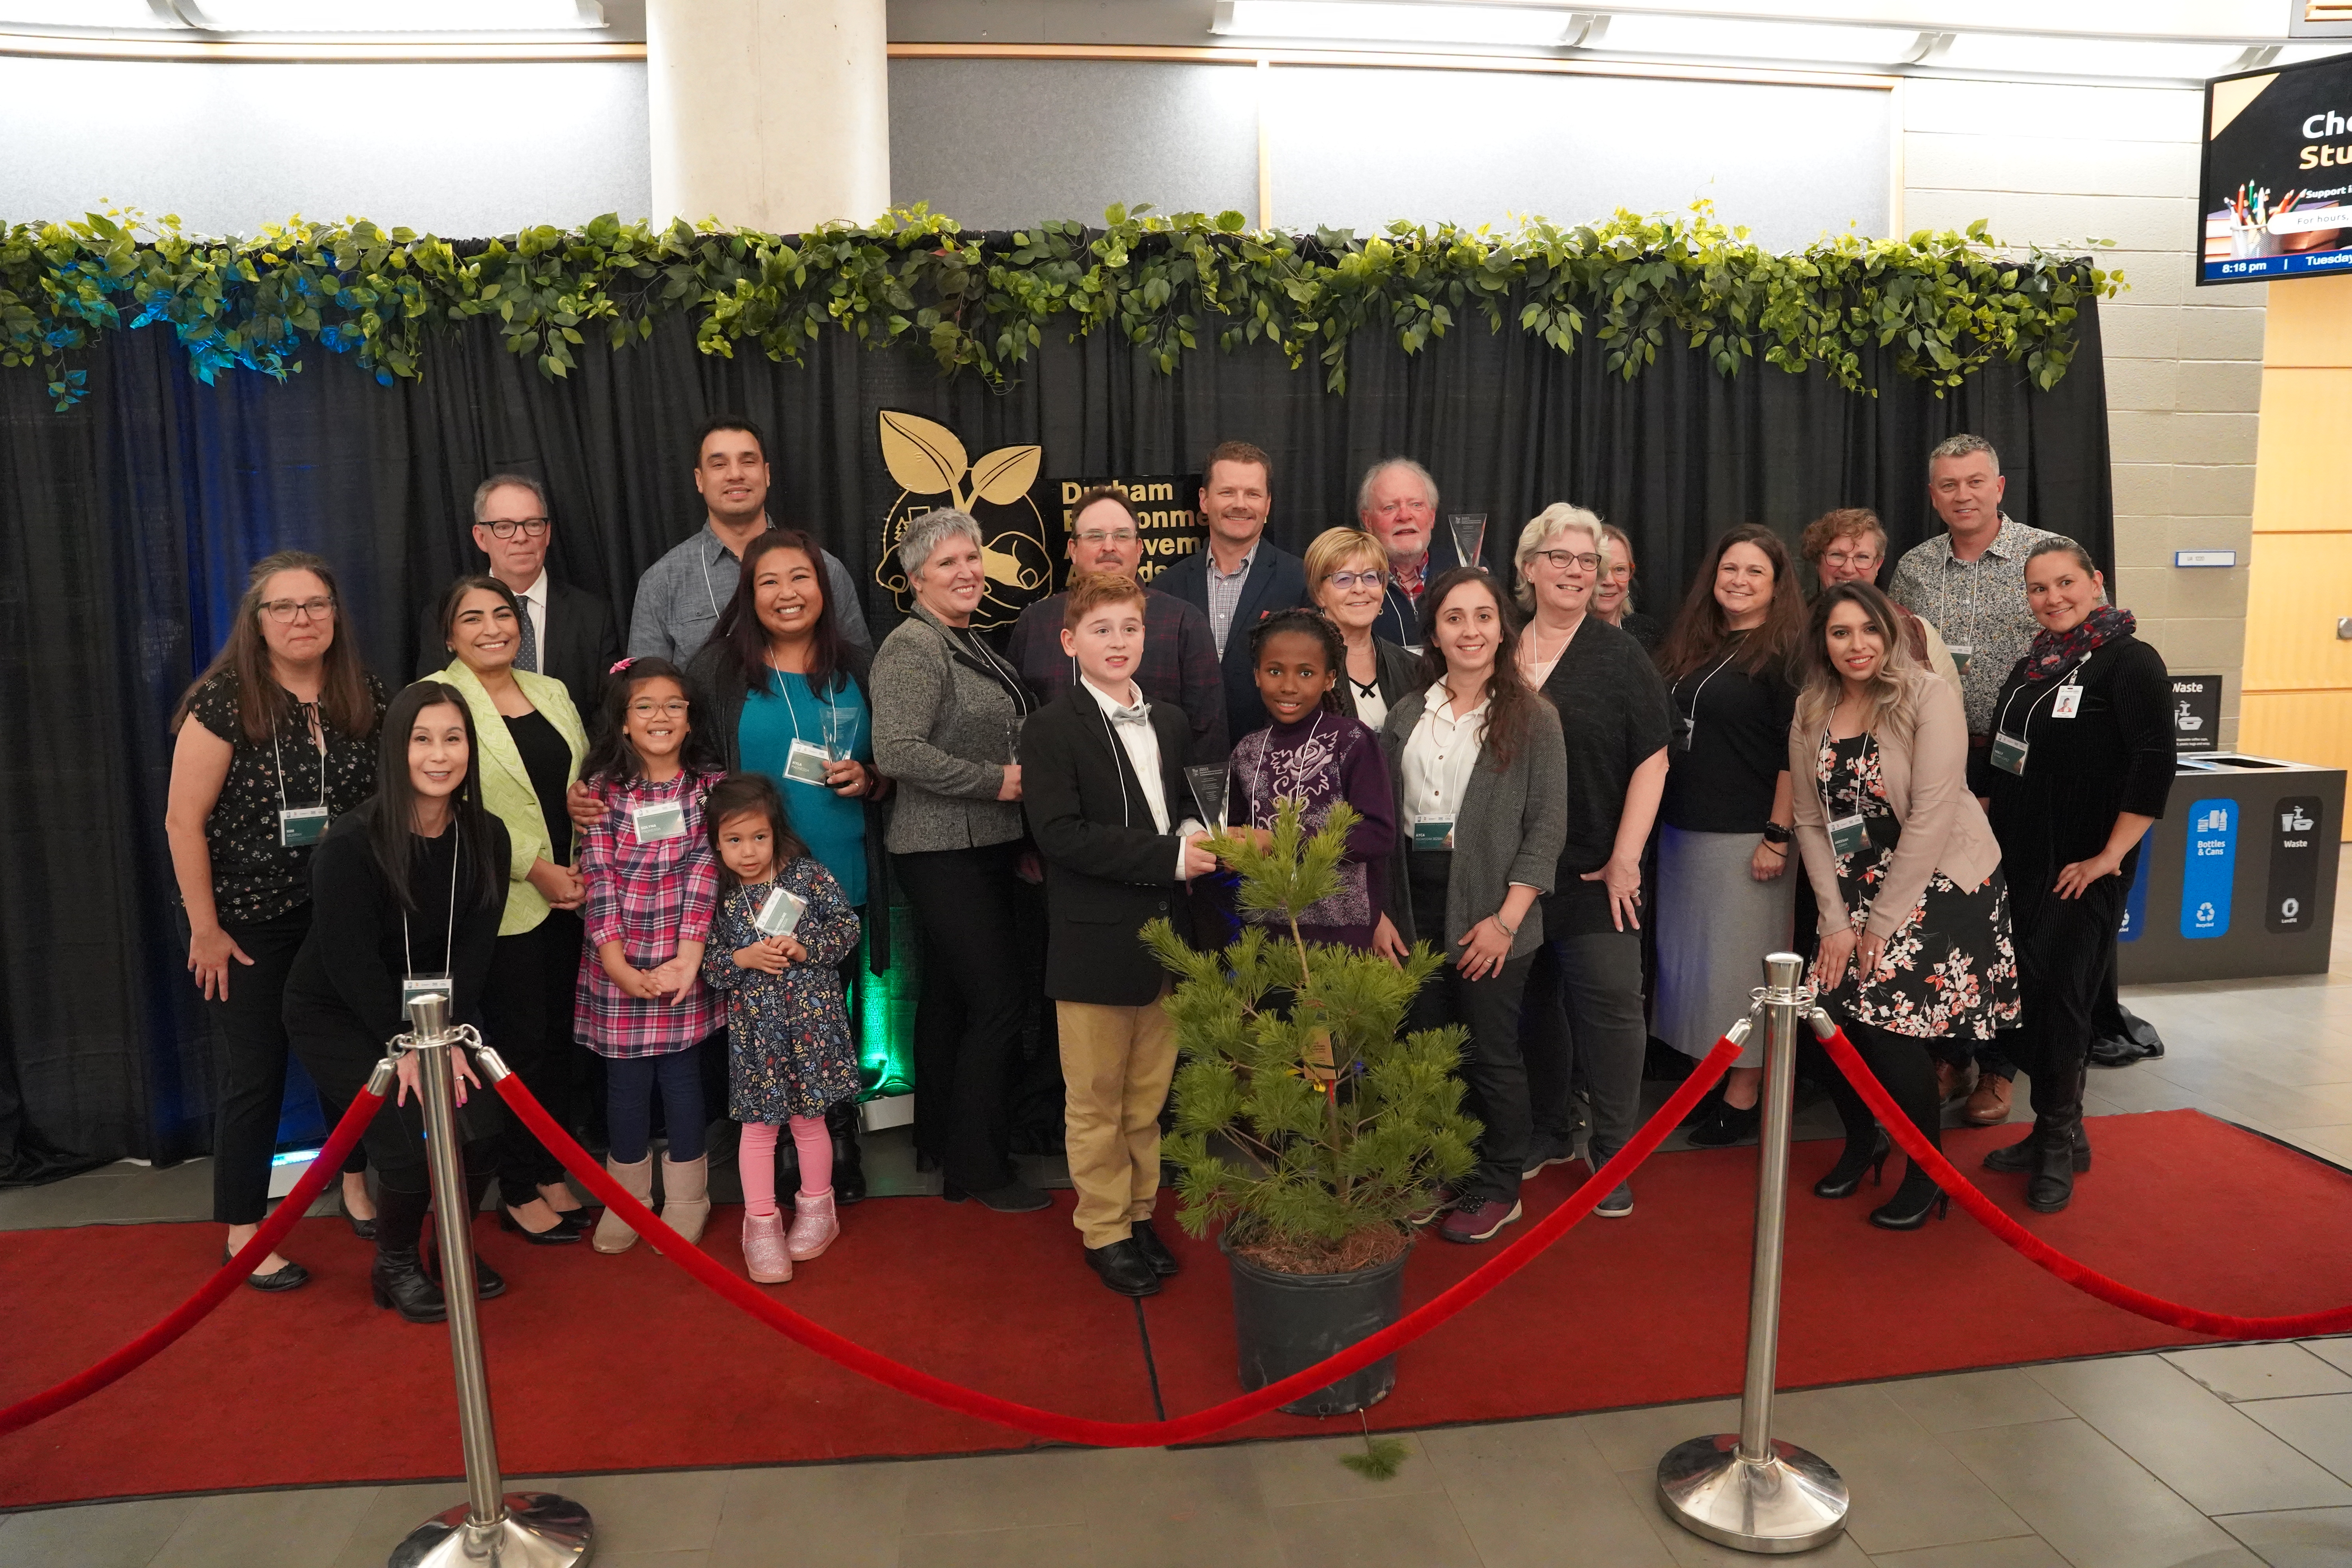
(1544, 1149)
(1441, 1199)
(1478, 1221)
(1617, 1204)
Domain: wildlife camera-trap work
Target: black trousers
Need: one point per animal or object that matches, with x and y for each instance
(968, 1021)
(1580, 1022)
(1904, 1064)
(1492, 1070)
(527, 1019)
(248, 1078)
(339, 1054)
(2065, 954)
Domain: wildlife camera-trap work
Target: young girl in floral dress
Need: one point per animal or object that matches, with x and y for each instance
(789, 1055)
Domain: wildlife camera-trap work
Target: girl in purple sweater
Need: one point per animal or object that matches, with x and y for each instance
(1316, 753)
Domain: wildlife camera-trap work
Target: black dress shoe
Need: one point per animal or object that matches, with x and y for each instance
(399, 1282)
(566, 1228)
(1844, 1178)
(363, 1228)
(293, 1277)
(1155, 1252)
(488, 1283)
(848, 1163)
(1015, 1196)
(1124, 1268)
(1728, 1125)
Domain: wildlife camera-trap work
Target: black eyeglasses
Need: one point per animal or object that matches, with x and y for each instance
(1562, 560)
(506, 527)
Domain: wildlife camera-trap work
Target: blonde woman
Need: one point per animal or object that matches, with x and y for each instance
(1915, 939)
(1612, 595)
(1347, 579)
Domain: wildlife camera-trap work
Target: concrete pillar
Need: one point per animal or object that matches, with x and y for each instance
(769, 114)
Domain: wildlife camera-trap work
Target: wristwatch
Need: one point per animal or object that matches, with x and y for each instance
(1776, 833)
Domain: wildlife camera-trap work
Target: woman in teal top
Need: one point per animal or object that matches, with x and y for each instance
(788, 697)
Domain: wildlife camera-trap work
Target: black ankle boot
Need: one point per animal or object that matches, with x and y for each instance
(2051, 1187)
(1845, 1177)
(398, 1280)
(1728, 1125)
(1913, 1203)
(848, 1165)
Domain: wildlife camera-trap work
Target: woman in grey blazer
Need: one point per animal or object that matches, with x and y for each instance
(1480, 777)
(947, 718)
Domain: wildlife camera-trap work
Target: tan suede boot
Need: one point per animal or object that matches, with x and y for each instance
(685, 1196)
(613, 1232)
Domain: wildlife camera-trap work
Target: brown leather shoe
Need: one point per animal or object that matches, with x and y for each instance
(1988, 1102)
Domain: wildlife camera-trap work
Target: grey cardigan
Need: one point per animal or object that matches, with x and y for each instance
(943, 732)
(1512, 826)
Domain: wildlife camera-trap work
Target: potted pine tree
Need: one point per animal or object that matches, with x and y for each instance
(1304, 1122)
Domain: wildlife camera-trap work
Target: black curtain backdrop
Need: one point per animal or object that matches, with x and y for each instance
(128, 523)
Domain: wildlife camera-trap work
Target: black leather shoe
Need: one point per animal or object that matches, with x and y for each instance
(848, 1163)
(363, 1228)
(1913, 1203)
(2024, 1155)
(1155, 1252)
(2052, 1184)
(488, 1283)
(399, 1281)
(566, 1228)
(293, 1277)
(1727, 1126)
(1124, 1268)
(1015, 1196)
(1845, 1178)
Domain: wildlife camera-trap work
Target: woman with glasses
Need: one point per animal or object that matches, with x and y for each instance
(1348, 580)
(531, 743)
(790, 698)
(282, 745)
(1612, 595)
(1612, 713)
(1848, 545)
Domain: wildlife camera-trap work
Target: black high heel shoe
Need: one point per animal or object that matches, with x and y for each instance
(363, 1228)
(1728, 1125)
(566, 1228)
(1908, 1210)
(1845, 1178)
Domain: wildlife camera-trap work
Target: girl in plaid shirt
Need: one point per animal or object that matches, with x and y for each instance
(641, 1004)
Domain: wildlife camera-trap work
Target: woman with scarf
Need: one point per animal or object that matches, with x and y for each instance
(2079, 764)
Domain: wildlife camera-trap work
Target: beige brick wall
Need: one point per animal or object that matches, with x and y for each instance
(2056, 165)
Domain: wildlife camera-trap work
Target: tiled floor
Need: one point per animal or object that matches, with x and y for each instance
(2228, 1456)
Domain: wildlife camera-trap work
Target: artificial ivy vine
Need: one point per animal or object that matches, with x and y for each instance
(1946, 303)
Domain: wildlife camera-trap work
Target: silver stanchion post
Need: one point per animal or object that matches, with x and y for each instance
(490, 1529)
(1744, 1489)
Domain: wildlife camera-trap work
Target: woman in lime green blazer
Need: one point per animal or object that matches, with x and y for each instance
(531, 741)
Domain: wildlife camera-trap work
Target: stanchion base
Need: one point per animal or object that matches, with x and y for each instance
(540, 1529)
(1792, 1501)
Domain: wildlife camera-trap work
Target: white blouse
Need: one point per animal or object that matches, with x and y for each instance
(1439, 755)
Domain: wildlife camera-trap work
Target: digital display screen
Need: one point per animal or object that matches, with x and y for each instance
(2276, 198)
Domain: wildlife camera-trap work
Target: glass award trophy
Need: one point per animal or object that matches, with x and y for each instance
(1209, 793)
(1469, 530)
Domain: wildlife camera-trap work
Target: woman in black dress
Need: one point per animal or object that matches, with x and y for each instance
(410, 885)
(274, 740)
(2078, 771)
(1914, 919)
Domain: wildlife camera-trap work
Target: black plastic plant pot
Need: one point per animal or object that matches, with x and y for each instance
(1286, 1322)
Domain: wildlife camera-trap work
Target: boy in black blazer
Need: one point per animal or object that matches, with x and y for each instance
(1102, 779)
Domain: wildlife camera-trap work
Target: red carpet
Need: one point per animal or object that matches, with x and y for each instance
(602, 1363)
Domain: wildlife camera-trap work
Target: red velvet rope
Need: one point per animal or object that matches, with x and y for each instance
(214, 1290)
(1117, 1434)
(2079, 1275)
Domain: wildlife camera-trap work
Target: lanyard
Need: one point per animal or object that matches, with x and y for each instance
(449, 935)
(278, 757)
(2001, 725)
(791, 712)
(1690, 719)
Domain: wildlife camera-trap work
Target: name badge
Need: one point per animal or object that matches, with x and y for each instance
(301, 826)
(2009, 753)
(2067, 703)
(1848, 834)
(417, 985)
(1433, 833)
(805, 763)
(780, 912)
(663, 819)
(1961, 653)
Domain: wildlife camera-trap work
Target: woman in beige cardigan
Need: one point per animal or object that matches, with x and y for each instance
(531, 741)
(1915, 943)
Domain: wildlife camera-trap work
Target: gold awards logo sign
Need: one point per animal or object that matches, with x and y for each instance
(1169, 526)
(928, 462)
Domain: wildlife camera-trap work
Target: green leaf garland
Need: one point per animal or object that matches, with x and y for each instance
(1946, 303)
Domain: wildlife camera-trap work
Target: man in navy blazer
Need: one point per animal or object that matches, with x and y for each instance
(1242, 577)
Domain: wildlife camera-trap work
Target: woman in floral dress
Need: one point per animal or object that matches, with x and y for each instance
(1915, 938)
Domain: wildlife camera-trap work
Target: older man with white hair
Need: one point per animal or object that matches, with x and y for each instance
(1397, 504)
